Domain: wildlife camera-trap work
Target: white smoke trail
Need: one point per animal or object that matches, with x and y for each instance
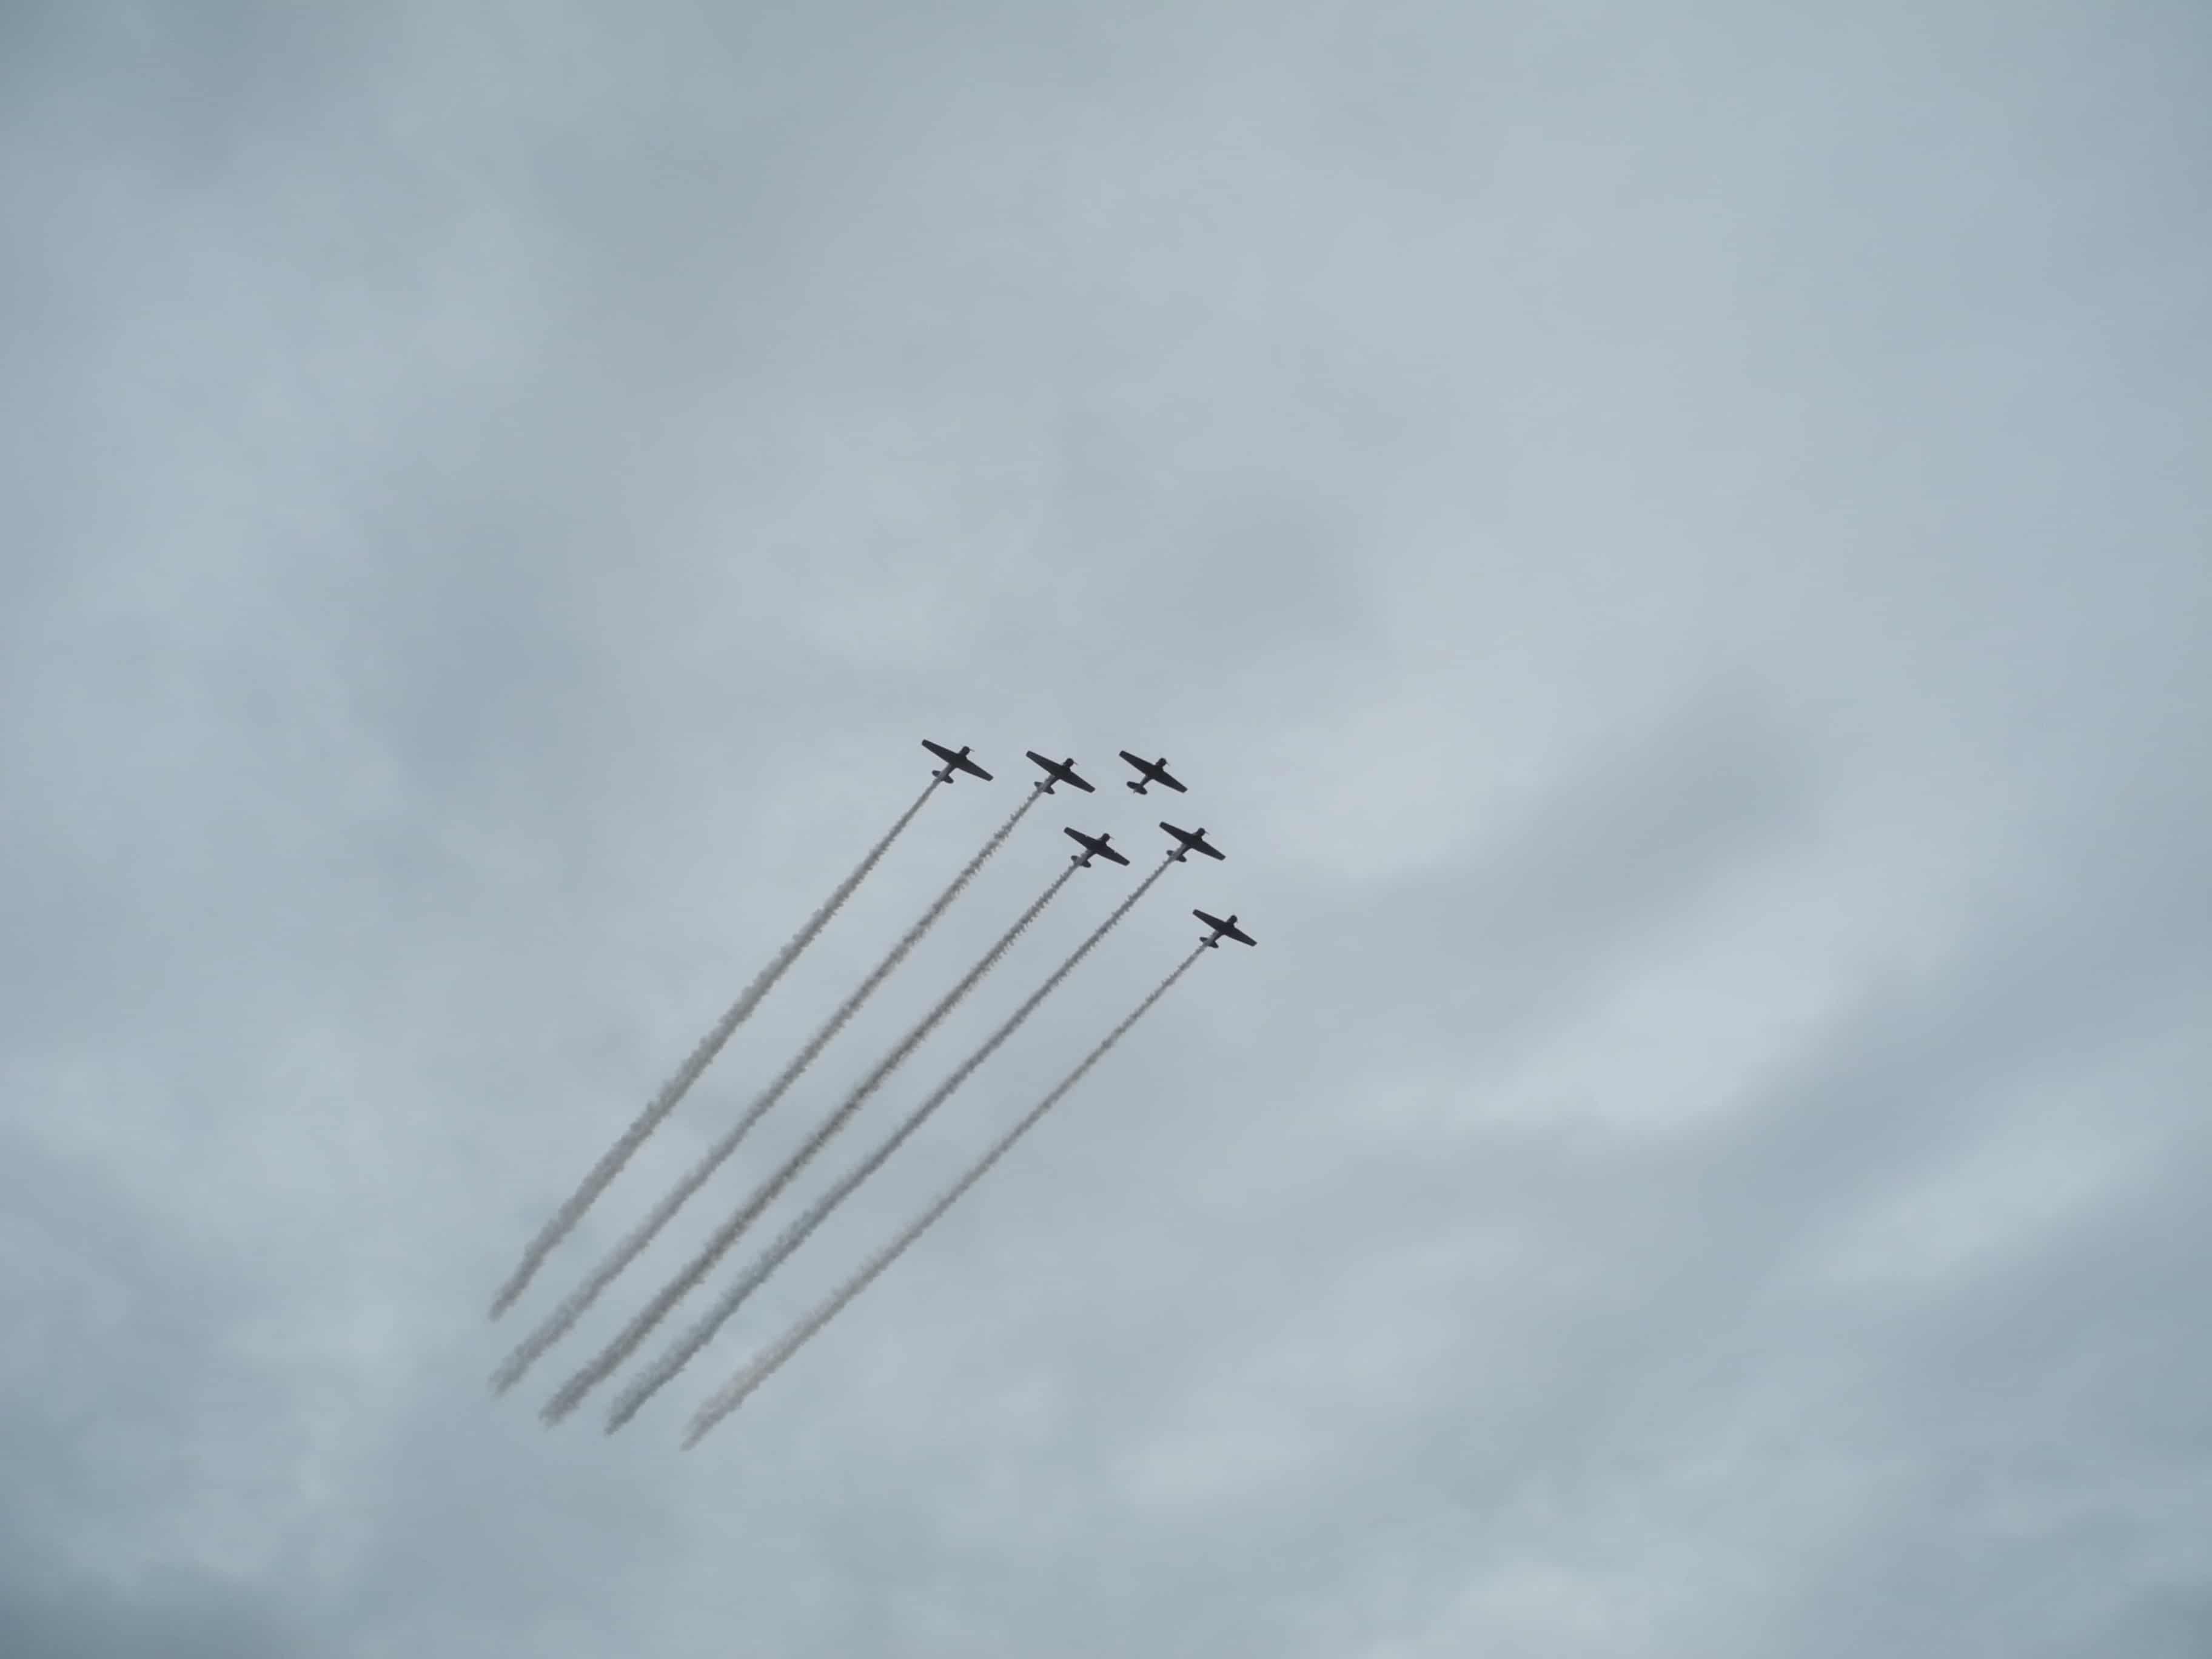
(764, 1365)
(571, 1308)
(679, 1353)
(572, 1392)
(610, 1164)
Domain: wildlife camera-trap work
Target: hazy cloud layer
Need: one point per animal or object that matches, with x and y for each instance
(1672, 549)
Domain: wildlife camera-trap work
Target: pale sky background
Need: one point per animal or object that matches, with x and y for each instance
(1671, 544)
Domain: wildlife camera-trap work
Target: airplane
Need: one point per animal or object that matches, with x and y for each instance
(1058, 772)
(1194, 841)
(953, 763)
(1222, 930)
(1153, 771)
(1093, 846)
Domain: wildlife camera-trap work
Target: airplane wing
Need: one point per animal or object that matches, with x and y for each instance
(1166, 778)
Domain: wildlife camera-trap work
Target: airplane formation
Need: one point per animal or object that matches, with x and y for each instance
(1058, 772)
(954, 764)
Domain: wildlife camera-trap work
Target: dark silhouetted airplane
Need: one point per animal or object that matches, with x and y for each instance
(1153, 771)
(1093, 846)
(1058, 772)
(1223, 929)
(1193, 841)
(953, 763)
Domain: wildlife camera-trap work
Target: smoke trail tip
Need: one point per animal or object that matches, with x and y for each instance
(569, 1395)
(519, 1281)
(631, 1400)
(711, 1412)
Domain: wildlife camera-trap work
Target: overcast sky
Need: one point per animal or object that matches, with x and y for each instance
(1671, 545)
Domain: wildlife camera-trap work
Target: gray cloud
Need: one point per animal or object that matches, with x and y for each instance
(1670, 551)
